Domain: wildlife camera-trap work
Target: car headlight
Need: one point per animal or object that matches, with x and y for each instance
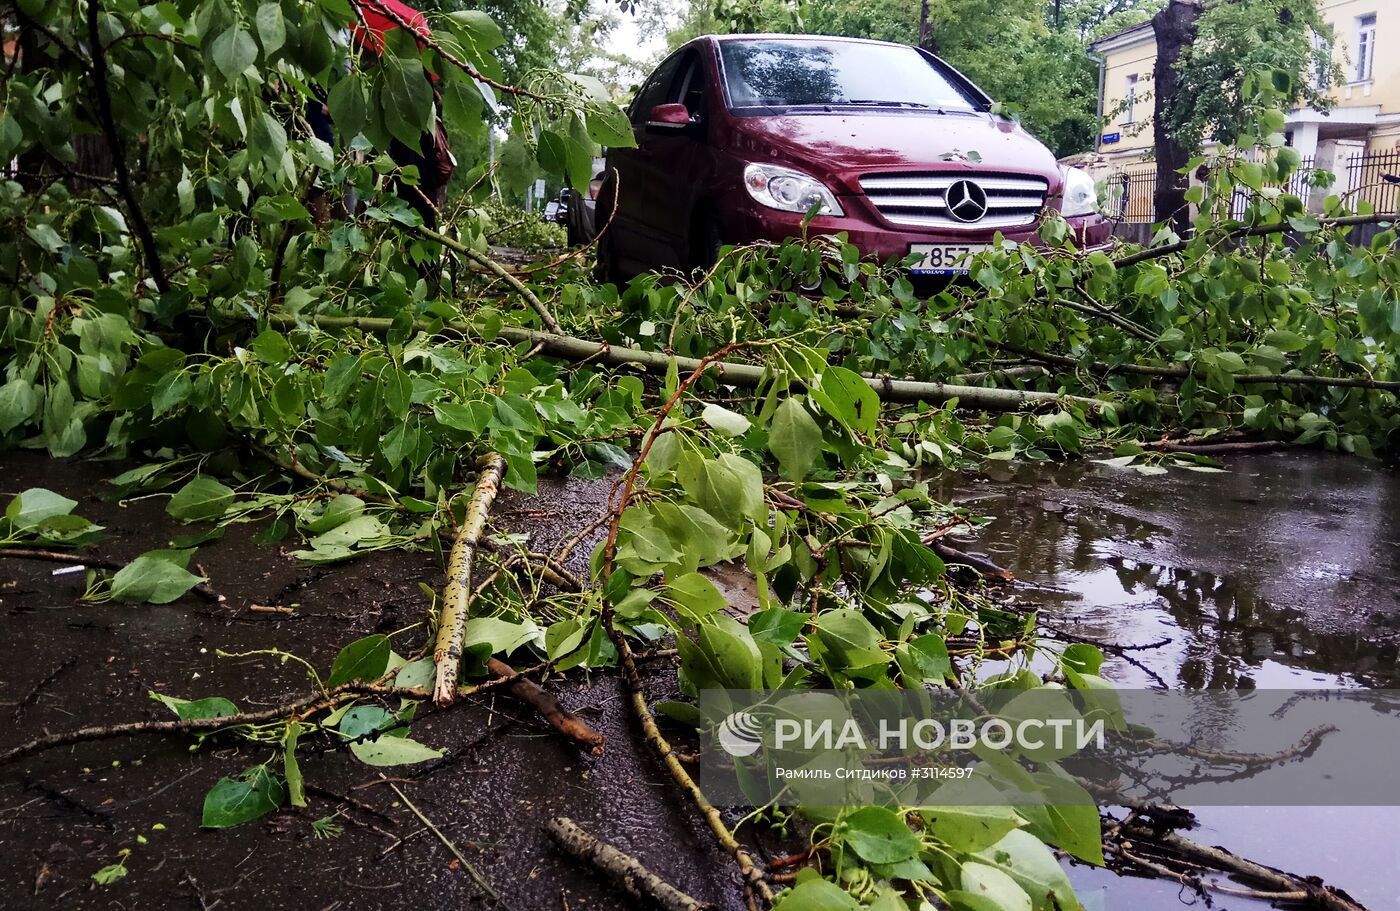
(789, 190)
(1080, 197)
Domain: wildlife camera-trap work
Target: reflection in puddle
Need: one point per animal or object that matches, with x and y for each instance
(1282, 573)
(1256, 577)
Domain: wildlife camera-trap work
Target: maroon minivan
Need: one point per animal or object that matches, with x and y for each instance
(739, 136)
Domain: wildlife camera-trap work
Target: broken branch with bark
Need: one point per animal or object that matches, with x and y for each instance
(455, 600)
(623, 869)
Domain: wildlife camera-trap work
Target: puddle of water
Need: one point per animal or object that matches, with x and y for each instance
(1281, 573)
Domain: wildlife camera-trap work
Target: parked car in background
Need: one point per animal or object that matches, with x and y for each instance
(740, 136)
(551, 210)
(582, 206)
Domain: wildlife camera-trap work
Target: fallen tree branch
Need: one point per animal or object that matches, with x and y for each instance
(950, 554)
(1307, 889)
(751, 873)
(496, 269)
(560, 718)
(1208, 449)
(299, 708)
(890, 389)
(455, 599)
(1254, 231)
(623, 869)
(1181, 373)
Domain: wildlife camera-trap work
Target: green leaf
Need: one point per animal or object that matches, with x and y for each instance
(608, 125)
(17, 403)
(45, 236)
(850, 638)
(478, 28)
(694, 596)
(363, 659)
(109, 874)
(169, 392)
(879, 835)
(157, 577)
(816, 895)
(926, 659)
(187, 709)
(730, 423)
(848, 398)
(365, 719)
(502, 636)
(1082, 657)
(347, 102)
(776, 625)
(296, 783)
(992, 889)
(233, 52)
(795, 439)
(390, 751)
(1028, 861)
(33, 506)
(243, 798)
(404, 97)
(201, 500)
(417, 674)
(970, 815)
(272, 31)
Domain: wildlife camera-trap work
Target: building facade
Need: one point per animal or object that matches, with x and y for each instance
(1359, 134)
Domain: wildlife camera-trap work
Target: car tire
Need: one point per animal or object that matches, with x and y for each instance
(709, 240)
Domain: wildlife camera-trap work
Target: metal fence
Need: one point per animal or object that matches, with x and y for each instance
(1375, 179)
(1128, 194)
(1300, 184)
(1372, 178)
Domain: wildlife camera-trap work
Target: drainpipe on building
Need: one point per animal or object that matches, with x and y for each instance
(1098, 108)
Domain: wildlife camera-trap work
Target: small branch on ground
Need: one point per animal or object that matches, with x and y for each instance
(623, 869)
(560, 718)
(751, 873)
(950, 554)
(466, 864)
(55, 556)
(1179, 858)
(455, 600)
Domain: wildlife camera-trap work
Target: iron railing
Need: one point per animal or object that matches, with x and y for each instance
(1375, 178)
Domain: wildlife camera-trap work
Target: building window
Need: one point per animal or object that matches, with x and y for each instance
(1130, 99)
(1365, 47)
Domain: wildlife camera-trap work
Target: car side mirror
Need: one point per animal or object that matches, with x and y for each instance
(668, 117)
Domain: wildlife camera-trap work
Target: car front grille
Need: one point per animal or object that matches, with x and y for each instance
(920, 200)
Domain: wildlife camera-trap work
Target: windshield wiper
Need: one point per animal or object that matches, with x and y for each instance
(881, 103)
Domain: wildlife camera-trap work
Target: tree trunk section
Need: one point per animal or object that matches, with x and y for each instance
(1175, 30)
(926, 40)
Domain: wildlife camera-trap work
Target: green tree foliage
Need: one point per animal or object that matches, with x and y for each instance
(336, 381)
(1236, 40)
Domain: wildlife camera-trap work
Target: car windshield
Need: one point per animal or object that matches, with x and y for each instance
(773, 73)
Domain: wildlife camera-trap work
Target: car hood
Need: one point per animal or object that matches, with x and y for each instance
(838, 147)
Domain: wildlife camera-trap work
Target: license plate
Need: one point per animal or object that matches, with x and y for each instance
(944, 259)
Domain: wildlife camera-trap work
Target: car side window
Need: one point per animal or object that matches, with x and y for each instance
(690, 88)
(655, 91)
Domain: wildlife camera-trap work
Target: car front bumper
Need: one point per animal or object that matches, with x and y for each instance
(753, 222)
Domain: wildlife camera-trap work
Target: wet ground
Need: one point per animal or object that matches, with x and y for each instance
(66, 813)
(1281, 573)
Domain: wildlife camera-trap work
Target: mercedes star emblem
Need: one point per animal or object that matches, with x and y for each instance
(966, 201)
